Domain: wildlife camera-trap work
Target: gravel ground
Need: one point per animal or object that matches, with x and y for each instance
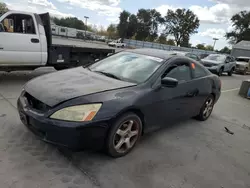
(188, 154)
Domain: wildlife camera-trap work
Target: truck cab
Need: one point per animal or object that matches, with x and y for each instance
(26, 43)
(23, 39)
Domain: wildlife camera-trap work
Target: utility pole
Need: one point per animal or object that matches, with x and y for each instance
(86, 18)
(215, 39)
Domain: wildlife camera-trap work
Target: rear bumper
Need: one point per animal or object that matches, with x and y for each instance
(72, 135)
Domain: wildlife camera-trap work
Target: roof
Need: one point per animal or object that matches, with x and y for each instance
(163, 54)
(245, 45)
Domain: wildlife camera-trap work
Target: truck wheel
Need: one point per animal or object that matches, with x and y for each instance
(58, 68)
(230, 73)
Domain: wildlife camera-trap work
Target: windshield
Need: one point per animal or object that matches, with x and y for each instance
(216, 57)
(128, 66)
(244, 60)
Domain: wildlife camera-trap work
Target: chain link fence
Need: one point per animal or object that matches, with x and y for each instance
(143, 44)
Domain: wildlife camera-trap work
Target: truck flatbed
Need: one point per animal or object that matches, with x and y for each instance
(60, 41)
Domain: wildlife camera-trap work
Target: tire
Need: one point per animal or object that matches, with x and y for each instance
(123, 135)
(230, 73)
(58, 68)
(205, 107)
(245, 71)
(220, 72)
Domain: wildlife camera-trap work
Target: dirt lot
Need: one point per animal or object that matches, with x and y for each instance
(188, 154)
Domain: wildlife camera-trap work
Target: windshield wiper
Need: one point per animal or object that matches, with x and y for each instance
(109, 75)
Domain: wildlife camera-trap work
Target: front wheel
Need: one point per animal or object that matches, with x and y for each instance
(220, 72)
(206, 109)
(245, 71)
(124, 134)
(230, 73)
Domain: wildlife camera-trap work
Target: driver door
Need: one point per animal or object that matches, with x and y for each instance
(172, 104)
(19, 42)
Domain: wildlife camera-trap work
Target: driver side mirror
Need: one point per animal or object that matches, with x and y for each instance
(1, 28)
(169, 82)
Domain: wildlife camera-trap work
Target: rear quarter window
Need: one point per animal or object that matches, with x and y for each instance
(199, 71)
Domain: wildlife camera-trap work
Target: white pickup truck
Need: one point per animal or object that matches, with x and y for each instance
(117, 43)
(26, 43)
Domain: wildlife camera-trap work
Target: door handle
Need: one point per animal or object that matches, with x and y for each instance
(1, 48)
(33, 40)
(192, 93)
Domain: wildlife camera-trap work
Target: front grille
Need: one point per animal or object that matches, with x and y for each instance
(35, 103)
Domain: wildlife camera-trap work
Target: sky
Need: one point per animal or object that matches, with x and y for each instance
(214, 15)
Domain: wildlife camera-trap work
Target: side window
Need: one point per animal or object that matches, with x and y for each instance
(199, 71)
(181, 72)
(228, 59)
(19, 23)
(63, 30)
(232, 59)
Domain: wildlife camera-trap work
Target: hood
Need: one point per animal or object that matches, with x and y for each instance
(210, 62)
(58, 87)
(241, 63)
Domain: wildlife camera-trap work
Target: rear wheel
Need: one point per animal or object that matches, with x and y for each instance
(206, 109)
(124, 134)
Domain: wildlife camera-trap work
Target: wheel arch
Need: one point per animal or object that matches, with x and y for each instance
(135, 110)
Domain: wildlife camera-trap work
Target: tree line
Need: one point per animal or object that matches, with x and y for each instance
(146, 24)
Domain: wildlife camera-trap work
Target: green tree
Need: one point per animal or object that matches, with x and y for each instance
(209, 47)
(241, 23)
(3, 8)
(155, 20)
(148, 23)
(181, 24)
(144, 24)
(162, 39)
(122, 27)
(201, 46)
(111, 31)
(71, 22)
(132, 26)
(225, 50)
(170, 42)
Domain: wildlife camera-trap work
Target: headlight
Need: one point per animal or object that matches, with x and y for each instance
(77, 113)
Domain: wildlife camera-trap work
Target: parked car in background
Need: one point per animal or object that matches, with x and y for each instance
(117, 43)
(202, 56)
(242, 65)
(187, 54)
(219, 63)
(113, 102)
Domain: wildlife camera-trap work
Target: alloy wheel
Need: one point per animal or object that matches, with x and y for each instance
(208, 107)
(126, 136)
